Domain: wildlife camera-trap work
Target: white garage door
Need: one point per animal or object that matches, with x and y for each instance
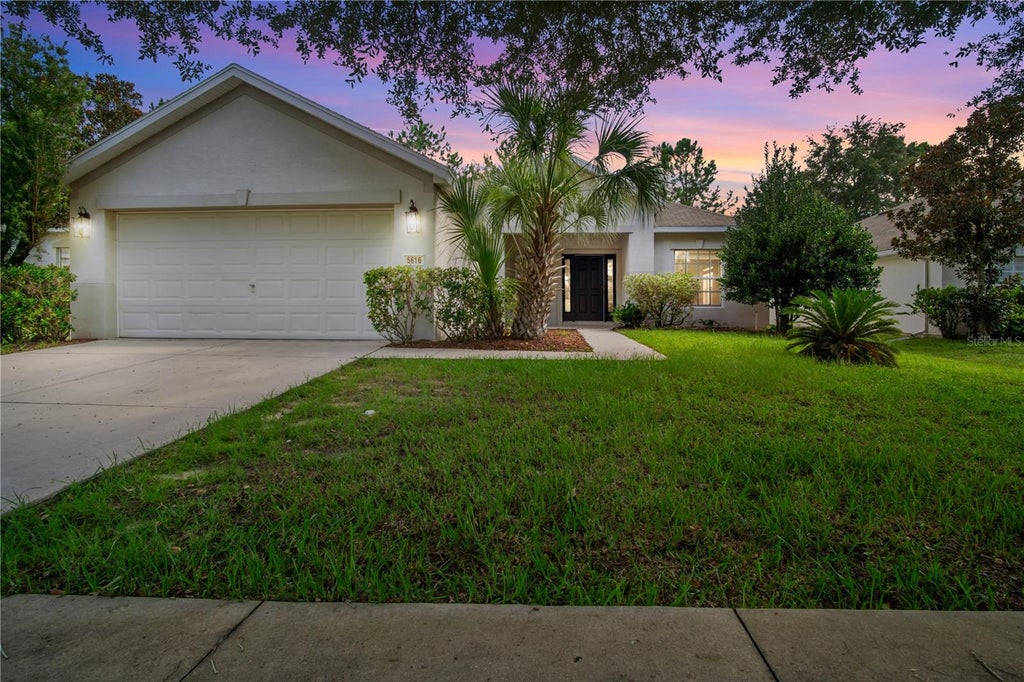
(252, 274)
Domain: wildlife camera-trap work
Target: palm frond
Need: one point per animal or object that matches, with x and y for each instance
(846, 325)
(483, 243)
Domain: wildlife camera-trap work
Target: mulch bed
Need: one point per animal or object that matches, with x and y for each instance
(559, 340)
(40, 345)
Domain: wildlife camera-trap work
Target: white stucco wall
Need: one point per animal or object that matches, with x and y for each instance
(247, 151)
(899, 280)
(730, 313)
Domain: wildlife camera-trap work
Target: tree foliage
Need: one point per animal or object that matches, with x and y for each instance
(40, 109)
(112, 103)
(789, 240)
(428, 50)
(546, 185)
(690, 177)
(970, 213)
(422, 137)
(858, 166)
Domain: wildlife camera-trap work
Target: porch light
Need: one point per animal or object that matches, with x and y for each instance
(412, 218)
(81, 225)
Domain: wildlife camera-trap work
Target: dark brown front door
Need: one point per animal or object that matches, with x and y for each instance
(588, 286)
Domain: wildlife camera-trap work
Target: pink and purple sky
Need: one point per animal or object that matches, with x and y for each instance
(732, 120)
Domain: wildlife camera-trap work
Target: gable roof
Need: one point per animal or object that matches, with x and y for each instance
(215, 87)
(881, 229)
(674, 214)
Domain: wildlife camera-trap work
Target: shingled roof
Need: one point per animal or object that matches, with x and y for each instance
(882, 229)
(675, 214)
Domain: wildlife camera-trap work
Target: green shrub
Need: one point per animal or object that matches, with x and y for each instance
(1010, 324)
(628, 315)
(454, 299)
(35, 303)
(459, 302)
(944, 308)
(666, 299)
(845, 325)
(396, 296)
(996, 313)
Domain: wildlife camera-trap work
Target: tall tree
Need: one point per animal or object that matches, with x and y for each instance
(690, 177)
(970, 216)
(858, 166)
(789, 240)
(40, 110)
(422, 137)
(446, 50)
(545, 186)
(112, 103)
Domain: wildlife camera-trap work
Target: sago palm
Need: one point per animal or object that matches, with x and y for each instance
(845, 325)
(546, 185)
(479, 238)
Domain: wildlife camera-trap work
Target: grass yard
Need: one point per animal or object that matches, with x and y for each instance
(732, 474)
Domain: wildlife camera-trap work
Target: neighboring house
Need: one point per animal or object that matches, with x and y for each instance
(54, 249)
(240, 209)
(902, 277)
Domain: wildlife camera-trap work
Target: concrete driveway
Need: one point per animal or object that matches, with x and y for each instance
(68, 411)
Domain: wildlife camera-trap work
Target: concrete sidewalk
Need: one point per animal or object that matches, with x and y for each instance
(606, 345)
(72, 638)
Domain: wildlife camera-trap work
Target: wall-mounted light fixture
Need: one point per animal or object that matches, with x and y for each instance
(81, 225)
(412, 218)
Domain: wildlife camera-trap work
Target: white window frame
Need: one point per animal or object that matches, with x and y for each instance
(702, 280)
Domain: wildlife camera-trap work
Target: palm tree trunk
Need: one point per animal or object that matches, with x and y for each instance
(538, 285)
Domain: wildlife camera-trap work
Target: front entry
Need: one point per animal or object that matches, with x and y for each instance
(589, 288)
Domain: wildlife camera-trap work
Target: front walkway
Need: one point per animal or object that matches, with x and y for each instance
(130, 638)
(607, 345)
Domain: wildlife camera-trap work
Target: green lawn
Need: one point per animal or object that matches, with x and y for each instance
(732, 474)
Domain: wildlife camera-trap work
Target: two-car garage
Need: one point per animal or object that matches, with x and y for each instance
(248, 274)
(240, 209)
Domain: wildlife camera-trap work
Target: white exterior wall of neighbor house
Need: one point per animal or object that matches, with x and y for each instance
(899, 280)
(49, 250)
(900, 277)
(246, 151)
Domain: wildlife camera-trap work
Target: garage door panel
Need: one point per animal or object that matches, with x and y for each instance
(168, 290)
(250, 274)
(134, 290)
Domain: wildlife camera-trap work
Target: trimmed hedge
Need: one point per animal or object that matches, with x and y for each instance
(454, 299)
(35, 303)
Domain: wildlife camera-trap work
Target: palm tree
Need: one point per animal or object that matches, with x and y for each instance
(546, 186)
(846, 325)
(480, 239)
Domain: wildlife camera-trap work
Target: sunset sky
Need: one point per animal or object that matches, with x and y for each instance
(731, 120)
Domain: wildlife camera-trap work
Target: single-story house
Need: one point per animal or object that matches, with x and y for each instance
(240, 209)
(680, 238)
(902, 277)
